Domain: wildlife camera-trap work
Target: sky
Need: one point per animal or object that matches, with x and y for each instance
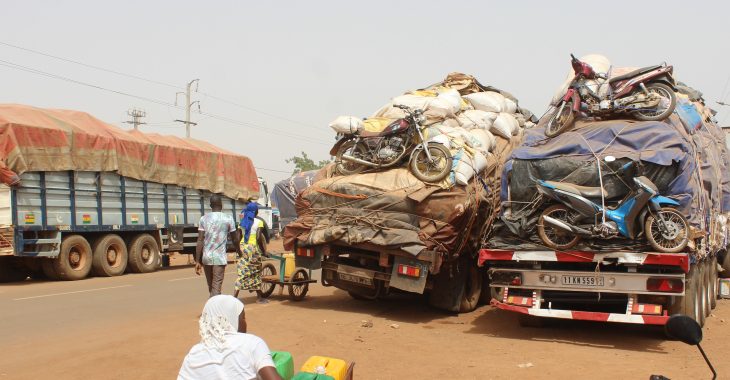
(273, 74)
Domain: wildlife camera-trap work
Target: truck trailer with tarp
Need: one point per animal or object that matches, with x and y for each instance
(384, 231)
(81, 197)
(618, 279)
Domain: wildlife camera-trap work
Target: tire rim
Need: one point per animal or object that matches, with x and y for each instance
(558, 120)
(76, 259)
(113, 257)
(674, 236)
(349, 165)
(298, 290)
(266, 286)
(146, 254)
(425, 166)
(558, 236)
(665, 99)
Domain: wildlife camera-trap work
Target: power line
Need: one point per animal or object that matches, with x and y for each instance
(158, 83)
(160, 102)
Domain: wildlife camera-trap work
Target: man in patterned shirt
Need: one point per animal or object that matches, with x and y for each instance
(210, 254)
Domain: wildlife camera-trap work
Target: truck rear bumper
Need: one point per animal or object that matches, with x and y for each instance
(584, 315)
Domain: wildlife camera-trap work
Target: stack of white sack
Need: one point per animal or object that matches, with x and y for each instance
(467, 123)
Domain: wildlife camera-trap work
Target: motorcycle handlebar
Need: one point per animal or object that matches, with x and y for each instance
(401, 106)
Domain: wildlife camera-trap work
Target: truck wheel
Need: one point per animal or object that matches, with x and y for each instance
(110, 256)
(144, 254)
(713, 282)
(701, 294)
(485, 297)
(688, 304)
(10, 271)
(706, 289)
(472, 290)
(74, 261)
(48, 270)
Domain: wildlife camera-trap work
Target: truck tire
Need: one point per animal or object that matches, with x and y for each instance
(74, 261)
(486, 295)
(701, 294)
(11, 271)
(688, 304)
(472, 290)
(706, 288)
(110, 256)
(713, 282)
(144, 254)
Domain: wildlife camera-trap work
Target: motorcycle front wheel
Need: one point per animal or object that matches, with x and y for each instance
(667, 103)
(560, 120)
(554, 237)
(353, 149)
(674, 238)
(435, 169)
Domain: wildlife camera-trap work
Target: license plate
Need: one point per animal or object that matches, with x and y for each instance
(355, 279)
(583, 280)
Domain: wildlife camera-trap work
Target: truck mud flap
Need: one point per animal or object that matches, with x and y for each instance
(308, 257)
(409, 274)
(448, 286)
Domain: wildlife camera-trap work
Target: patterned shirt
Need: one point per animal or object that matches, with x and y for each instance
(216, 226)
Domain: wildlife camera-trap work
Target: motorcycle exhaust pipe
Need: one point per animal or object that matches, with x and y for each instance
(356, 160)
(567, 227)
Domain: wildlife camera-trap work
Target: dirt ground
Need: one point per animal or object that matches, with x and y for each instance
(141, 326)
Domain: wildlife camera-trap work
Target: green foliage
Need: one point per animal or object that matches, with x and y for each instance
(304, 163)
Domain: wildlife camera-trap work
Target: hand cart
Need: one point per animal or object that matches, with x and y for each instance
(297, 283)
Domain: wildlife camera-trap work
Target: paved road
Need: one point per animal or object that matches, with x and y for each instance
(141, 326)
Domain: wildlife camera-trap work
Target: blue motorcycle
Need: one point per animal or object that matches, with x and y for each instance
(582, 213)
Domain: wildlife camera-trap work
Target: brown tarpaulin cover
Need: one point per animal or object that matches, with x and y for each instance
(394, 210)
(35, 139)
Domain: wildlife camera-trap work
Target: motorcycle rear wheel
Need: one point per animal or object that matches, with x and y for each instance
(554, 237)
(350, 148)
(559, 123)
(674, 219)
(669, 101)
(433, 170)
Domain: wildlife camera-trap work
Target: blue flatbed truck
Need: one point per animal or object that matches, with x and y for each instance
(67, 225)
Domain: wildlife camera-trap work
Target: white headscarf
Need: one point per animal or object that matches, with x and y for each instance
(220, 317)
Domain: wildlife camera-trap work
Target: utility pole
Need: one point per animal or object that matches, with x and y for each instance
(188, 105)
(137, 115)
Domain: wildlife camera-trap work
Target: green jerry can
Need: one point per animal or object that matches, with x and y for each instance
(311, 376)
(284, 364)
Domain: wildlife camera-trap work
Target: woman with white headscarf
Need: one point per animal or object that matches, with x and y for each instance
(225, 350)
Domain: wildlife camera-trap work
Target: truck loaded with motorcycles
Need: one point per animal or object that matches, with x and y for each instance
(375, 227)
(614, 220)
(97, 200)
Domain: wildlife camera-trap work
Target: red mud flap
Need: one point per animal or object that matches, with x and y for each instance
(584, 315)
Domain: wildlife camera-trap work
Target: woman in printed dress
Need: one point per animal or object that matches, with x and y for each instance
(249, 262)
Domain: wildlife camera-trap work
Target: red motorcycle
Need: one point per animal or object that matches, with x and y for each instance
(647, 94)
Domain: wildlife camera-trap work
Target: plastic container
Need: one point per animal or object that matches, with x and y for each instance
(337, 368)
(290, 265)
(284, 364)
(311, 376)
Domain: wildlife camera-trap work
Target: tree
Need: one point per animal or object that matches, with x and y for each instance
(304, 163)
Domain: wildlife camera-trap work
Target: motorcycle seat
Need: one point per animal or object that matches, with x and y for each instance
(634, 73)
(586, 191)
(374, 133)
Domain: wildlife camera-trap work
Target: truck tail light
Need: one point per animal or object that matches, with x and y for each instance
(408, 270)
(670, 285)
(305, 252)
(520, 301)
(646, 308)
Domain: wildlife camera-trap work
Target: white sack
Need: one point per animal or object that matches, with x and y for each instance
(347, 124)
(413, 102)
(462, 135)
(486, 138)
(510, 106)
(441, 139)
(451, 97)
(506, 125)
(489, 101)
(464, 170)
(471, 119)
